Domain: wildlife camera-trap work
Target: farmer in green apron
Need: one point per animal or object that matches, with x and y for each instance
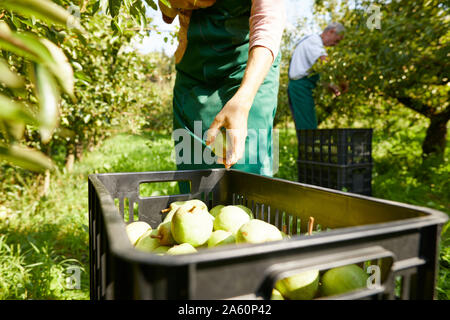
(302, 82)
(227, 65)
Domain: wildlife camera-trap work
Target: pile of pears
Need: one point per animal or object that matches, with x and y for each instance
(190, 226)
(313, 284)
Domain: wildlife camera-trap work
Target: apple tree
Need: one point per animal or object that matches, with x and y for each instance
(397, 51)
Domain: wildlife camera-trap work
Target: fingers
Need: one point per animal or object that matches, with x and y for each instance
(213, 131)
(233, 149)
(236, 148)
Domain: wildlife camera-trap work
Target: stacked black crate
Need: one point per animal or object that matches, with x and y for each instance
(339, 159)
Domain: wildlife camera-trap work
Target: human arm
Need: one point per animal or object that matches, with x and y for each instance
(267, 22)
(331, 86)
(234, 115)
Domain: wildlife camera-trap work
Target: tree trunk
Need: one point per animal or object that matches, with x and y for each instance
(46, 187)
(79, 151)
(70, 160)
(70, 157)
(435, 139)
(436, 136)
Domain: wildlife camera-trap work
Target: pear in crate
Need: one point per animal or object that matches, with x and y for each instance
(230, 219)
(249, 212)
(188, 203)
(184, 248)
(220, 145)
(258, 231)
(216, 210)
(302, 286)
(276, 295)
(147, 242)
(191, 225)
(220, 237)
(343, 279)
(164, 234)
(161, 250)
(136, 229)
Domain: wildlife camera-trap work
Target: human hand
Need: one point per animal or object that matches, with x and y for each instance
(233, 117)
(344, 86)
(335, 89)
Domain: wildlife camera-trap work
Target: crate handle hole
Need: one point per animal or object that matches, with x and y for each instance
(164, 188)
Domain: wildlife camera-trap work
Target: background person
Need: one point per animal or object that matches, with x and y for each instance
(308, 51)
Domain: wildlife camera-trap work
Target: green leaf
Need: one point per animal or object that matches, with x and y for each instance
(10, 42)
(114, 7)
(95, 7)
(166, 3)
(45, 10)
(115, 26)
(137, 11)
(8, 77)
(41, 51)
(152, 4)
(26, 45)
(48, 94)
(14, 129)
(26, 158)
(14, 111)
(61, 67)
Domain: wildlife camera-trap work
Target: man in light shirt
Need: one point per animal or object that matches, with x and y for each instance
(302, 82)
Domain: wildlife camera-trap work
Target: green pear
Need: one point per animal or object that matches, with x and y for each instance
(193, 226)
(276, 295)
(136, 229)
(343, 279)
(230, 219)
(161, 250)
(220, 145)
(257, 231)
(188, 203)
(147, 242)
(302, 286)
(220, 237)
(203, 246)
(183, 248)
(216, 210)
(164, 234)
(249, 212)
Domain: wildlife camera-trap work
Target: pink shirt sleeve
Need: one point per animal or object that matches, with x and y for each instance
(267, 22)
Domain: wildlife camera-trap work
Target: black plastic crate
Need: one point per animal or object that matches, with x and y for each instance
(337, 146)
(351, 178)
(402, 239)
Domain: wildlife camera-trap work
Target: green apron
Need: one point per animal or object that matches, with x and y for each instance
(208, 75)
(301, 102)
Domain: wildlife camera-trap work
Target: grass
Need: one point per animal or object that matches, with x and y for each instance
(44, 240)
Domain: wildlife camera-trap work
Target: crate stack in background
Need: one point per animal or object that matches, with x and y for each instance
(339, 159)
